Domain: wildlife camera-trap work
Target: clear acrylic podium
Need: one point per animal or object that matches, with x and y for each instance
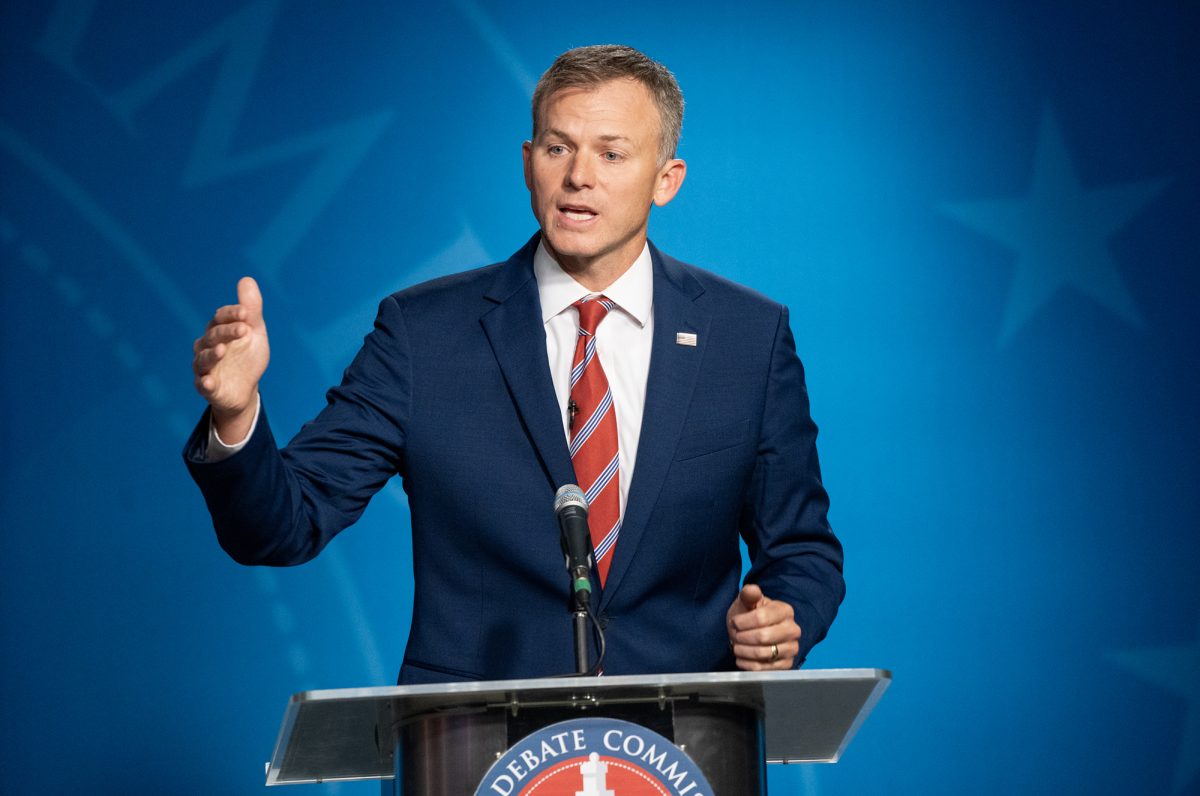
(441, 739)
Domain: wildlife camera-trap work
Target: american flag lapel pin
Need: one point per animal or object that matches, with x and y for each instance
(685, 338)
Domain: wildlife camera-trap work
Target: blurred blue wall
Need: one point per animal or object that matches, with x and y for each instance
(984, 217)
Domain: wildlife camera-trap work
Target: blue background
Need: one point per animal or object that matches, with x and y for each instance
(983, 217)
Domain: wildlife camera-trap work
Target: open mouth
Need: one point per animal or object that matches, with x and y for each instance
(577, 213)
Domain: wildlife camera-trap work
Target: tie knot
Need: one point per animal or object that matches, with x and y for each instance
(591, 311)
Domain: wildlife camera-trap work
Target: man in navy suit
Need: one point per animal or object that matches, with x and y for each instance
(465, 389)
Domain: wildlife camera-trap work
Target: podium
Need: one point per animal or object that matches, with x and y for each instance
(444, 738)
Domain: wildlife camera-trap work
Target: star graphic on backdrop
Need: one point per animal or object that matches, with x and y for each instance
(1176, 669)
(1060, 232)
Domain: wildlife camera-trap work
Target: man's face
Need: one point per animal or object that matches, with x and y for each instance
(593, 174)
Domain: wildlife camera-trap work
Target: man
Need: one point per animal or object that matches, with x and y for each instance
(673, 397)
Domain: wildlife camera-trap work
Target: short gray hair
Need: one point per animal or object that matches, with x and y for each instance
(588, 67)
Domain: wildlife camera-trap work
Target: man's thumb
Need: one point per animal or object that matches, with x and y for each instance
(750, 595)
(250, 297)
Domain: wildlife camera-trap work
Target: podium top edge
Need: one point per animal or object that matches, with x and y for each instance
(791, 703)
(570, 683)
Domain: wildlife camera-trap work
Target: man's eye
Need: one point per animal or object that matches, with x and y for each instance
(612, 157)
(556, 149)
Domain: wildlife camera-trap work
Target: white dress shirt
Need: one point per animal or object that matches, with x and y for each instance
(623, 342)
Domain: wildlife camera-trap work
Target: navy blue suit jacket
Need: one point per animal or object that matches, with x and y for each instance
(452, 390)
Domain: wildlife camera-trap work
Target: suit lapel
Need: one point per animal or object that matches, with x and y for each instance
(518, 338)
(672, 378)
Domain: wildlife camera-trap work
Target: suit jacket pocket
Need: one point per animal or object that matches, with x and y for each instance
(711, 440)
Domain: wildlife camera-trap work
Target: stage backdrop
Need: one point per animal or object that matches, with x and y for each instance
(983, 217)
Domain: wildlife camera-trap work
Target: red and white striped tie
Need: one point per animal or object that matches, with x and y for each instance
(593, 430)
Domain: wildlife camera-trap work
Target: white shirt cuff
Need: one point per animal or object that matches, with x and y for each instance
(218, 449)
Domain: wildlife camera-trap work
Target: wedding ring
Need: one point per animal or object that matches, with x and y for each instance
(774, 652)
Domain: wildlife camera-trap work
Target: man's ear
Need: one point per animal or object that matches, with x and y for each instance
(526, 154)
(670, 178)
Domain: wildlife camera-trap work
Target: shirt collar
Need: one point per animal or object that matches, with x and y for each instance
(633, 292)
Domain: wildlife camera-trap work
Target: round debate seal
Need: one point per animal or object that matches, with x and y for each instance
(594, 757)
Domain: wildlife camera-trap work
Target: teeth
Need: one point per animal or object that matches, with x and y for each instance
(578, 215)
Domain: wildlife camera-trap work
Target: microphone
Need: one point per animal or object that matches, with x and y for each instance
(571, 507)
(570, 504)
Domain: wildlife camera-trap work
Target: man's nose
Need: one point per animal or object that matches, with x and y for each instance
(581, 173)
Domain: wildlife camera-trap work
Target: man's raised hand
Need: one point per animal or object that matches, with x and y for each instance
(763, 633)
(230, 359)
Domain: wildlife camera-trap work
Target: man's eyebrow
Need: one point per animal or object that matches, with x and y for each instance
(553, 132)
